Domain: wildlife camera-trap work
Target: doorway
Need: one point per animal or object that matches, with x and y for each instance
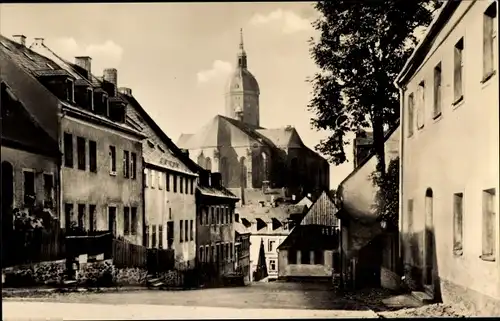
(429, 246)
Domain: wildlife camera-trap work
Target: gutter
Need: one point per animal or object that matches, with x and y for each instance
(401, 150)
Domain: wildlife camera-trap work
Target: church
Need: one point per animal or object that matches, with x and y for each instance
(249, 157)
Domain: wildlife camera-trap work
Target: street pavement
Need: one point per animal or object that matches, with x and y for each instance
(259, 300)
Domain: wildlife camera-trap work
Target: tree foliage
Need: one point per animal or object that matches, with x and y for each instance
(387, 196)
(362, 47)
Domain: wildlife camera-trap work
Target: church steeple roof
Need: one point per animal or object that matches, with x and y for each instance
(242, 55)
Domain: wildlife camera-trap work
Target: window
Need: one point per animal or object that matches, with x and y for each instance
(292, 256)
(81, 216)
(222, 214)
(146, 177)
(152, 178)
(231, 250)
(93, 156)
(134, 222)
(126, 220)
(48, 190)
(160, 236)
(92, 218)
(319, 257)
(133, 166)
(112, 219)
(489, 225)
(186, 231)
(181, 181)
(411, 111)
(191, 186)
(70, 90)
(191, 230)
(174, 177)
(207, 253)
(126, 164)
(170, 234)
(437, 90)
(68, 150)
(29, 188)
(160, 180)
(68, 214)
(181, 234)
(421, 105)
(80, 150)
(112, 160)
(213, 216)
(458, 88)
(201, 216)
(186, 187)
(153, 236)
(168, 182)
(305, 257)
(272, 265)
(458, 199)
(489, 35)
(230, 215)
(270, 246)
(201, 252)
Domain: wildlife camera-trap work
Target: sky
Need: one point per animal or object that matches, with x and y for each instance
(177, 57)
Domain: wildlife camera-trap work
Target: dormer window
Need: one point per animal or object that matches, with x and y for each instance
(105, 102)
(50, 67)
(90, 99)
(29, 57)
(5, 45)
(70, 90)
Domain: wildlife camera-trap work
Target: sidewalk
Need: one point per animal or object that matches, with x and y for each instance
(13, 310)
(28, 292)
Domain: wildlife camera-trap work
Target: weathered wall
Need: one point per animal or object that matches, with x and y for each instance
(102, 188)
(21, 160)
(255, 240)
(305, 270)
(456, 152)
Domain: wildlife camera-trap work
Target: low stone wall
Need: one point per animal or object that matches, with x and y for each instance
(104, 273)
(43, 273)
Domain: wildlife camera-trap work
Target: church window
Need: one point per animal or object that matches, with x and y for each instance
(243, 172)
(265, 167)
(224, 171)
(208, 164)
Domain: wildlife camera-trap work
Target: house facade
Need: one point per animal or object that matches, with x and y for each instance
(449, 201)
(311, 250)
(170, 182)
(242, 250)
(215, 236)
(101, 187)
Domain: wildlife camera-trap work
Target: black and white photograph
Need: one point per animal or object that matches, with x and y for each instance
(250, 160)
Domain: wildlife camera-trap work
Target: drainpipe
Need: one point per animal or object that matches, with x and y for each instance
(144, 241)
(401, 149)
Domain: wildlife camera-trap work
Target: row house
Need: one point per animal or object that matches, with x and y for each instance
(242, 250)
(215, 230)
(449, 200)
(86, 117)
(170, 182)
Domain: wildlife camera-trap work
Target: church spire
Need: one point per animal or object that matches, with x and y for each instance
(242, 55)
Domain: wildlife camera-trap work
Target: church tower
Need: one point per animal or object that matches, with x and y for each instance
(242, 93)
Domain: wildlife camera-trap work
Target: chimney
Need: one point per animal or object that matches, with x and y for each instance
(111, 75)
(21, 39)
(126, 91)
(204, 178)
(85, 63)
(38, 42)
(216, 180)
(185, 151)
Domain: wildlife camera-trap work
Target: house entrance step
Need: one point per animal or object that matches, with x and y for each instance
(157, 284)
(154, 280)
(69, 282)
(422, 297)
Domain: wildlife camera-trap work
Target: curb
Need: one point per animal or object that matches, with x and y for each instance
(16, 292)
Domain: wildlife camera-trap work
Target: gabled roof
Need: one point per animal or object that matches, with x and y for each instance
(423, 47)
(310, 237)
(322, 212)
(240, 228)
(306, 201)
(216, 192)
(20, 130)
(286, 137)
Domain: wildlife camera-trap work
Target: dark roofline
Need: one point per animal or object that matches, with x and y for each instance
(415, 60)
(229, 196)
(158, 131)
(370, 154)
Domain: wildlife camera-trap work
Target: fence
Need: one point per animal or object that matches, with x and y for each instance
(128, 255)
(33, 246)
(93, 244)
(160, 260)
